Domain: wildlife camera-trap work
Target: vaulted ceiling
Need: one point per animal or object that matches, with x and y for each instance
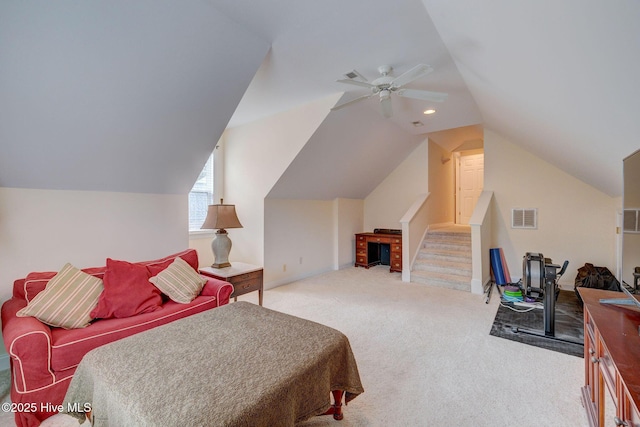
(133, 95)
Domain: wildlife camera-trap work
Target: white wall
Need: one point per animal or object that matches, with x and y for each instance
(41, 230)
(307, 237)
(576, 222)
(201, 242)
(441, 184)
(389, 201)
(298, 239)
(348, 217)
(256, 155)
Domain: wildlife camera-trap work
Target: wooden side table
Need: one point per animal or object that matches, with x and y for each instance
(244, 277)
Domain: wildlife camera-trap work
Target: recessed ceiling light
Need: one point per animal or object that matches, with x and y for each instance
(429, 111)
(417, 123)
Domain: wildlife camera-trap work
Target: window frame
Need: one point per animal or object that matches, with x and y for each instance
(208, 187)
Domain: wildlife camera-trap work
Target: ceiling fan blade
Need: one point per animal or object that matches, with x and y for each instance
(356, 83)
(353, 101)
(416, 72)
(424, 95)
(385, 104)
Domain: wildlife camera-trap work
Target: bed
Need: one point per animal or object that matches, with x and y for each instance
(237, 365)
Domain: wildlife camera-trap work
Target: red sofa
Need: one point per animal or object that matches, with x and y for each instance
(44, 359)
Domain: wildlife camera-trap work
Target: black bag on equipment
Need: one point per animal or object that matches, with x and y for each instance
(590, 276)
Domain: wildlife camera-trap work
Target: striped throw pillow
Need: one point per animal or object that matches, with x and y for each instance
(67, 300)
(179, 281)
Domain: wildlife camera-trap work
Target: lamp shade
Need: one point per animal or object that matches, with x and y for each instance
(220, 217)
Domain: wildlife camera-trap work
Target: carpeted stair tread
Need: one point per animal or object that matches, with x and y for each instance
(445, 255)
(455, 268)
(445, 246)
(444, 259)
(450, 236)
(447, 241)
(441, 280)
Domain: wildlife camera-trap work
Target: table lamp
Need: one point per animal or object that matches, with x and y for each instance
(220, 217)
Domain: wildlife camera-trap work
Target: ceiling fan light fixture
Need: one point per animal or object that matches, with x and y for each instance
(429, 111)
(385, 84)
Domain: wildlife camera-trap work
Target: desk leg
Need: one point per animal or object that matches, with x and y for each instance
(260, 296)
(336, 408)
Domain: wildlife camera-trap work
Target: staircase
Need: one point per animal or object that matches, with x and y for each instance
(444, 258)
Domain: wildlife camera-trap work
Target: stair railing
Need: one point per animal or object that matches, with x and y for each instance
(481, 235)
(414, 224)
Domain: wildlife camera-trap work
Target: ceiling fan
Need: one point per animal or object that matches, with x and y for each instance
(385, 85)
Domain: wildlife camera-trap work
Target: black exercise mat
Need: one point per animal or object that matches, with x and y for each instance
(568, 325)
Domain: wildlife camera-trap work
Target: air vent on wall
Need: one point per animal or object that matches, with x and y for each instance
(524, 218)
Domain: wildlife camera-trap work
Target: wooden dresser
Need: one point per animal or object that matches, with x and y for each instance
(612, 359)
(371, 249)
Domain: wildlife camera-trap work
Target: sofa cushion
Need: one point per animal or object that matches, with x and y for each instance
(69, 346)
(35, 282)
(188, 255)
(67, 300)
(179, 281)
(127, 291)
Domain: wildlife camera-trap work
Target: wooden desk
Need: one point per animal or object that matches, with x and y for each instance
(612, 359)
(244, 277)
(368, 250)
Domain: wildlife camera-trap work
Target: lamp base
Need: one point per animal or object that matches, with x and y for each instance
(221, 246)
(222, 265)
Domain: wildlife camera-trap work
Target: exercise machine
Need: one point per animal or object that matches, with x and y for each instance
(540, 282)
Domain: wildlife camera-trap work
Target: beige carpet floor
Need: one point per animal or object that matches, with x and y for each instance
(426, 357)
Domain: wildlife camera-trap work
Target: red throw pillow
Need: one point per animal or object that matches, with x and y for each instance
(127, 291)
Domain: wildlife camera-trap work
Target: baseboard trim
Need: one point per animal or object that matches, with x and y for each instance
(479, 286)
(4, 362)
(293, 278)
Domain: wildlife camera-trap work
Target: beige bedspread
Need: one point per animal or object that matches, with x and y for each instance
(236, 365)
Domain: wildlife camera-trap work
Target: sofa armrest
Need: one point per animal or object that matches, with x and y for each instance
(28, 342)
(218, 288)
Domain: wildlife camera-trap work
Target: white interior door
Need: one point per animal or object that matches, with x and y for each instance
(470, 183)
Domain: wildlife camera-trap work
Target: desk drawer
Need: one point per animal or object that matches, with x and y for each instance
(608, 370)
(246, 283)
(361, 244)
(630, 411)
(361, 260)
(395, 248)
(254, 275)
(380, 239)
(245, 287)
